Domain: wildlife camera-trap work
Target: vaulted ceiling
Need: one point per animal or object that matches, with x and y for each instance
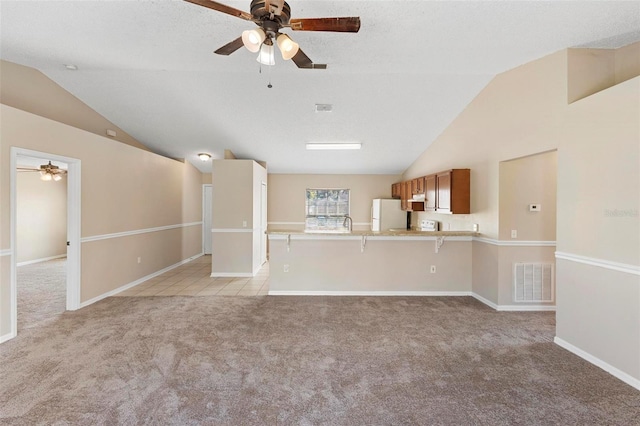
(148, 66)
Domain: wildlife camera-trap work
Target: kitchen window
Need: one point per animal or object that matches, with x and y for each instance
(326, 210)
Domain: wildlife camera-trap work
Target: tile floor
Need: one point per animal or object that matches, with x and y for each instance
(193, 279)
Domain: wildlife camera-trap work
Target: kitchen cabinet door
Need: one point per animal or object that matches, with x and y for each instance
(430, 193)
(453, 189)
(396, 190)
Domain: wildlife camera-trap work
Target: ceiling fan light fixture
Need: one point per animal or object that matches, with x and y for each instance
(287, 47)
(57, 178)
(45, 176)
(204, 156)
(252, 39)
(266, 55)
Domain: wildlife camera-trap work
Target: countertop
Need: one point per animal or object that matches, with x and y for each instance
(390, 233)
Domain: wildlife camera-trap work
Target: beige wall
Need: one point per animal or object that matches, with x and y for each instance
(236, 217)
(599, 227)
(287, 196)
(29, 90)
(517, 114)
(392, 266)
(604, 68)
(524, 181)
(41, 209)
(124, 189)
(523, 112)
(599, 176)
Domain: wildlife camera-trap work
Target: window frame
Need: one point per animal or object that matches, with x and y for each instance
(327, 222)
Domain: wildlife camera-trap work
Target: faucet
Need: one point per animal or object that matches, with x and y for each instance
(348, 219)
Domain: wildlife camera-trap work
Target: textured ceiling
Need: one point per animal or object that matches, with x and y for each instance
(148, 66)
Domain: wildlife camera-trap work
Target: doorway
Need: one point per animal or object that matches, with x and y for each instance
(41, 240)
(71, 268)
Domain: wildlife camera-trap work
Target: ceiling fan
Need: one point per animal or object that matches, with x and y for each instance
(47, 172)
(271, 16)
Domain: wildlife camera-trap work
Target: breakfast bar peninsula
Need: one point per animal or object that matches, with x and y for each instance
(399, 262)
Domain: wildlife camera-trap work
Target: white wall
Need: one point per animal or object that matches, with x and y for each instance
(42, 217)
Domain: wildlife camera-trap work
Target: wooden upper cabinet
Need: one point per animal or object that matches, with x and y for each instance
(396, 190)
(430, 193)
(417, 186)
(453, 191)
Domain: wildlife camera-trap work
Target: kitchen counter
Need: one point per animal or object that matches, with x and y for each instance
(389, 233)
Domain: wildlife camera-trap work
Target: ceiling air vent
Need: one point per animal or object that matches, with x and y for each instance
(324, 107)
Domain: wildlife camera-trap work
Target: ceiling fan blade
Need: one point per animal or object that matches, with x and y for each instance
(303, 61)
(344, 25)
(26, 169)
(222, 8)
(231, 47)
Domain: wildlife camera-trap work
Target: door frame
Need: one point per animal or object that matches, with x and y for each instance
(73, 230)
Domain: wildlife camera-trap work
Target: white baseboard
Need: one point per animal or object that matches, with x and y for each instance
(367, 293)
(44, 259)
(514, 308)
(6, 337)
(138, 281)
(487, 302)
(628, 379)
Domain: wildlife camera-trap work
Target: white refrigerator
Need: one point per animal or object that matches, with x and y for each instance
(387, 214)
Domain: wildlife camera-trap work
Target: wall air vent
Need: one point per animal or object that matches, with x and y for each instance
(533, 282)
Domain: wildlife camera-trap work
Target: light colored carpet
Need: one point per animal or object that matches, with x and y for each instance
(41, 292)
(303, 361)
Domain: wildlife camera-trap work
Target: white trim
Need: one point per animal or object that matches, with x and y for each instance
(137, 232)
(44, 259)
(235, 230)
(515, 243)
(366, 293)
(285, 223)
(513, 308)
(6, 252)
(628, 379)
(606, 264)
(487, 302)
(7, 337)
(138, 281)
(232, 274)
(74, 221)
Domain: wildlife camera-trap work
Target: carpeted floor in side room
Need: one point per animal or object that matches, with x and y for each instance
(303, 361)
(41, 292)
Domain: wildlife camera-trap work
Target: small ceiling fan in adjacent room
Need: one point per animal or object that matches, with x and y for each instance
(271, 16)
(48, 172)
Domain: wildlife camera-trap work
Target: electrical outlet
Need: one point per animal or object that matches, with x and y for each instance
(535, 207)
(514, 233)
(286, 268)
(244, 223)
(433, 269)
(139, 260)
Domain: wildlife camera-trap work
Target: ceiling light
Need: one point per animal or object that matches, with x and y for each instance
(252, 39)
(287, 47)
(71, 67)
(46, 176)
(204, 156)
(266, 55)
(314, 146)
(57, 178)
